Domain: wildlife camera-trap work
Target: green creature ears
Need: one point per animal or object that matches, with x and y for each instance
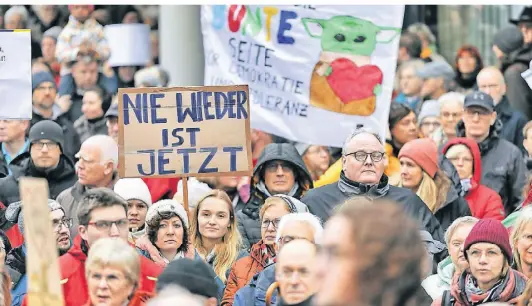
(309, 21)
(392, 35)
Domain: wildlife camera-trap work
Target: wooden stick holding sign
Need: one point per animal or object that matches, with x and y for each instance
(42, 268)
(200, 131)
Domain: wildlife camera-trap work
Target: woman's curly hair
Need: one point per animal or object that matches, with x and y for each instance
(153, 228)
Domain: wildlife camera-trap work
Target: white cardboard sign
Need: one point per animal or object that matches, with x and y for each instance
(130, 44)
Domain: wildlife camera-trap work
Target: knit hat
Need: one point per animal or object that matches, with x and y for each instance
(133, 189)
(40, 77)
(112, 111)
(508, 39)
(53, 32)
(436, 69)
(196, 191)
(47, 129)
(430, 108)
(397, 112)
(194, 275)
(149, 77)
(423, 152)
(14, 213)
(166, 206)
(490, 231)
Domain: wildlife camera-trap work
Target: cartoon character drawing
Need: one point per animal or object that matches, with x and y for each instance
(344, 80)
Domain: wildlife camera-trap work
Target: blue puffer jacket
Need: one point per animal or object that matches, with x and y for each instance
(254, 293)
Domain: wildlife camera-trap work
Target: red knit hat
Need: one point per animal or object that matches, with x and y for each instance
(423, 152)
(490, 231)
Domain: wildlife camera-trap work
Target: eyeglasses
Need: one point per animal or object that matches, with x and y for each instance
(49, 145)
(461, 159)
(449, 114)
(266, 223)
(50, 88)
(112, 121)
(67, 222)
(476, 254)
(471, 112)
(290, 273)
(104, 225)
(287, 238)
(427, 124)
(361, 156)
(273, 166)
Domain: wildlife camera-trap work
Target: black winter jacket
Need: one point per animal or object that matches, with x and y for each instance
(321, 201)
(59, 178)
(503, 167)
(517, 90)
(513, 123)
(454, 207)
(248, 217)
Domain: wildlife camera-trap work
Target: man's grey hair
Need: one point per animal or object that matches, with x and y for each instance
(108, 148)
(467, 220)
(17, 10)
(309, 218)
(359, 131)
(451, 97)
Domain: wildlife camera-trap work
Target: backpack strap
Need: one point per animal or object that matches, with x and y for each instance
(447, 298)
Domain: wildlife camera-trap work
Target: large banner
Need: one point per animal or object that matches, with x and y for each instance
(314, 72)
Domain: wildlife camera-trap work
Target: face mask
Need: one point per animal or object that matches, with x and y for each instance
(527, 75)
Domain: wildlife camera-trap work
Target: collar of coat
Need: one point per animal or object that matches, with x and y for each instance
(353, 188)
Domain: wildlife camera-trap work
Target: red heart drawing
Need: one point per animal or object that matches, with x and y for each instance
(351, 82)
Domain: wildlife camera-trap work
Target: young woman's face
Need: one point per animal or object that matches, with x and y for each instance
(411, 173)
(524, 245)
(170, 234)
(467, 63)
(136, 213)
(213, 218)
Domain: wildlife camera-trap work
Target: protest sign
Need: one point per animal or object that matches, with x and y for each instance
(42, 268)
(314, 72)
(184, 131)
(129, 43)
(15, 74)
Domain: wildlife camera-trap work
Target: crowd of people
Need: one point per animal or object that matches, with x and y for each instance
(437, 213)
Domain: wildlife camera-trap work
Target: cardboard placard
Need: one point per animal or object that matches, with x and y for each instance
(15, 74)
(184, 131)
(42, 268)
(129, 43)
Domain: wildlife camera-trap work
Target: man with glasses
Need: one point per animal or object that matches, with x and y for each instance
(97, 167)
(503, 167)
(13, 142)
(45, 108)
(363, 175)
(491, 81)
(16, 258)
(112, 121)
(45, 159)
(102, 213)
(279, 170)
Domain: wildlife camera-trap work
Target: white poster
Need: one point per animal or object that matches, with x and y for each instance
(129, 43)
(15, 74)
(315, 72)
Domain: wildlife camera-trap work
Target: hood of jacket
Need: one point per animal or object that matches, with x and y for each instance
(24, 167)
(487, 143)
(79, 249)
(448, 168)
(514, 285)
(475, 151)
(284, 152)
(522, 55)
(16, 260)
(445, 270)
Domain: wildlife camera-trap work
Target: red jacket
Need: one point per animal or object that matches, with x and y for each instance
(72, 268)
(484, 202)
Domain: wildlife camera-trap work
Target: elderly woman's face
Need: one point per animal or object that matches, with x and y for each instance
(108, 286)
(450, 114)
(456, 246)
(170, 235)
(270, 222)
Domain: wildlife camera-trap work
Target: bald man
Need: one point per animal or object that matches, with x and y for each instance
(491, 81)
(97, 167)
(295, 273)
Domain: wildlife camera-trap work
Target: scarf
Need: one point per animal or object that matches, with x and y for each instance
(475, 295)
(466, 184)
(262, 187)
(267, 254)
(352, 188)
(134, 235)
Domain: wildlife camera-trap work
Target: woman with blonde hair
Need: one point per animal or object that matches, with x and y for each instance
(521, 240)
(214, 234)
(421, 174)
(112, 271)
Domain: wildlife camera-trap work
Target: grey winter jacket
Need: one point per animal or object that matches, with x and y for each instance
(503, 167)
(248, 217)
(86, 129)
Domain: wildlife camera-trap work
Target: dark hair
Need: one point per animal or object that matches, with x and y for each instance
(103, 95)
(153, 229)
(389, 254)
(5, 239)
(98, 198)
(412, 43)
